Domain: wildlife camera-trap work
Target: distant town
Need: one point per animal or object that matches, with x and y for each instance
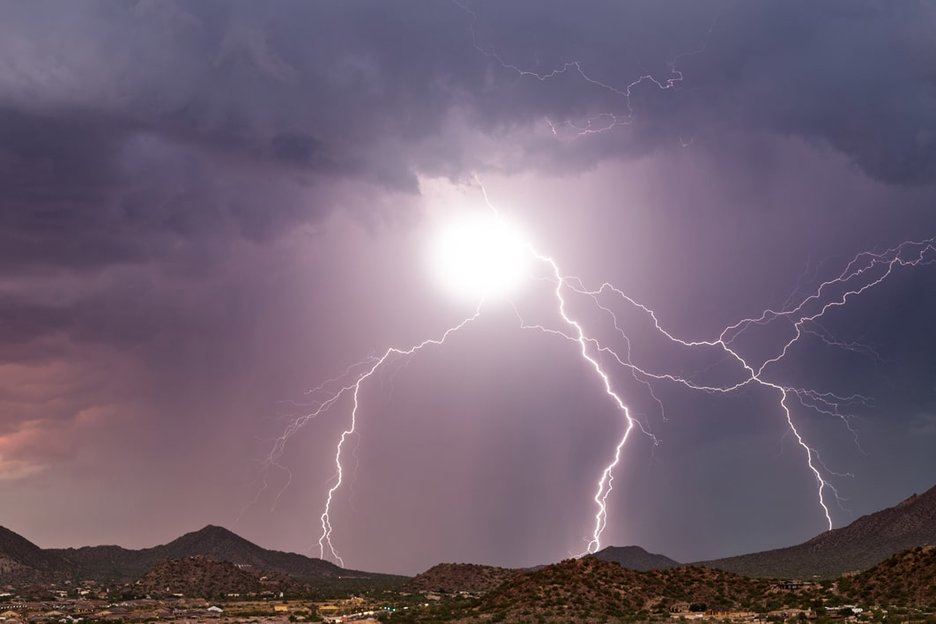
(534, 598)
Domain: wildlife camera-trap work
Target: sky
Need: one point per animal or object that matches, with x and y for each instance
(209, 208)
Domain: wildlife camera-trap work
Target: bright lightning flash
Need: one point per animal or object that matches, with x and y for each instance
(480, 257)
(484, 258)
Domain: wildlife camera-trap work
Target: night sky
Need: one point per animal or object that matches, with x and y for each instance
(208, 208)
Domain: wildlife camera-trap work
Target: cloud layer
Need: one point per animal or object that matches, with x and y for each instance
(194, 197)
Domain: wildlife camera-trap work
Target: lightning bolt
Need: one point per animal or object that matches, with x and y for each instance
(604, 486)
(354, 388)
(597, 123)
(862, 273)
(804, 320)
(808, 311)
(862, 266)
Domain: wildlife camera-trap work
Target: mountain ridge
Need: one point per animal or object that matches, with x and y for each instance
(202, 577)
(21, 561)
(860, 545)
(455, 578)
(592, 590)
(636, 558)
(21, 558)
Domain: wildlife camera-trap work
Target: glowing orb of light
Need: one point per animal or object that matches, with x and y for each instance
(480, 256)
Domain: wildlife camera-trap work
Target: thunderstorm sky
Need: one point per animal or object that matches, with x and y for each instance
(207, 208)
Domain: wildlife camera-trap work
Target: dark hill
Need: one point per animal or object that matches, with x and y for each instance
(200, 577)
(214, 542)
(635, 558)
(906, 579)
(590, 590)
(219, 543)
(106, 563)
(593, 590)
(18, 548)
(454, 578)
(858, 546)
(22, 561)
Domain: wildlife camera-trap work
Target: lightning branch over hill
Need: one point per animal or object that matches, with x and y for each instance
(862, 273)
(801, 316)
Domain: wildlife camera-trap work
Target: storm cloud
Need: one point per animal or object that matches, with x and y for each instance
(207, 206)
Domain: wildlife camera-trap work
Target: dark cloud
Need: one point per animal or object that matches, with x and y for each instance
(366, 90)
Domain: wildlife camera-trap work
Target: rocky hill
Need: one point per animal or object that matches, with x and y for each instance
(906, 579)
(590, 589)
(858, 546)
(454, 578)
(22, 561)
(206, 578)
(114, 562)
(636, 558)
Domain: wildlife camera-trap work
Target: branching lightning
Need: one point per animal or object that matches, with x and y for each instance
(598, 123)
(907, 254)
(864, 272)
(604, 486)
(355, 390)
(804, 320)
